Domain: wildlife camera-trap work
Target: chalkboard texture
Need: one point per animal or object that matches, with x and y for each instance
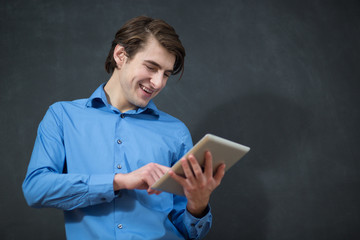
(282, 77)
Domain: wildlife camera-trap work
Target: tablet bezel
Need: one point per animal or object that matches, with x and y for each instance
(222, 150)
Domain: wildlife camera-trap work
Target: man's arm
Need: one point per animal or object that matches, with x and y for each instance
(195, 221)
(45, 184)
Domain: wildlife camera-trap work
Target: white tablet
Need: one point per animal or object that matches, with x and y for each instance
(222, 150)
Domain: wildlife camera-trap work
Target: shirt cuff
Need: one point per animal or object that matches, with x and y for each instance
(198, 225)
(101, 188)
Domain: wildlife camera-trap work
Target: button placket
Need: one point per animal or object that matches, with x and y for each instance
(118, 166)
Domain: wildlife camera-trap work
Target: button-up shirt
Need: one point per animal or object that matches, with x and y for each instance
(82, 144)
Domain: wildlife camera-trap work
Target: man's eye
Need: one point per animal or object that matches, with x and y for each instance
(150, 68)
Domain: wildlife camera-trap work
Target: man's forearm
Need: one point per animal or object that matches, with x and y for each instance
(45, 188)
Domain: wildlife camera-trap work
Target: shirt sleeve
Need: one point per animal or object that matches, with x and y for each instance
(190, 226)
(46, 185)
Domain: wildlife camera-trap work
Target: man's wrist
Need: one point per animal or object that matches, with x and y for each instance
(199, 212)
(118, 182)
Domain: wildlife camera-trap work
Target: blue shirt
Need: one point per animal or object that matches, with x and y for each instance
(79, 148)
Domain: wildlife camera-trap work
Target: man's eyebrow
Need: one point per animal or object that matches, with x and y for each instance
(158, 65)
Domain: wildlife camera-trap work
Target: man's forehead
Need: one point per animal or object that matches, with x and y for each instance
(154, 53)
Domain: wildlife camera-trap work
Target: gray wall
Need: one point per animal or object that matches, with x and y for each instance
(279, 76)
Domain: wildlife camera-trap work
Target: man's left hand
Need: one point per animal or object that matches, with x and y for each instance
(198, 184)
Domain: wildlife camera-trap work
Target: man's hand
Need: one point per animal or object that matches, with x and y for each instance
(141, 178)
(198, 185)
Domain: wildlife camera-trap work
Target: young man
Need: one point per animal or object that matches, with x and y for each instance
(97, 158)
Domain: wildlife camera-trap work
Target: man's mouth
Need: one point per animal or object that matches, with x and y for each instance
(147, 90)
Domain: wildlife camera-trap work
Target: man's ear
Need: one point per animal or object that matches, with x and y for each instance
(119, 56)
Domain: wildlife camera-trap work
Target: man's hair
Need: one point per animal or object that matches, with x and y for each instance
(133, 37)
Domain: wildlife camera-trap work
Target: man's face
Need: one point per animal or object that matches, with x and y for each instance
(145, 75)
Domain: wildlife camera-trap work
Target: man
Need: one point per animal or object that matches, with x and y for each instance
(97, 158)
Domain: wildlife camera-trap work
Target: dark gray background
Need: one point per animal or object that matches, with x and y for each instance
(279, 76)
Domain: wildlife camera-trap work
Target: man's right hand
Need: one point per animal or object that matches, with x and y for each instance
(142, 178)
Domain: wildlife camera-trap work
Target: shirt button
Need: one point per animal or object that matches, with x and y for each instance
(119, 141)
(119, 166)
(120, 226)
(122, 116)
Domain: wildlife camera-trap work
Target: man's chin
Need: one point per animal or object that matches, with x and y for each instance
(142, 104)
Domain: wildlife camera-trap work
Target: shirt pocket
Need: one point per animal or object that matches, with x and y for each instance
(161, 203)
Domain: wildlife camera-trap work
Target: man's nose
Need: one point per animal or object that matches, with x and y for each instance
(157, 80)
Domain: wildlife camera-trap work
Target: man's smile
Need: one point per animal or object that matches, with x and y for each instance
(147, 90)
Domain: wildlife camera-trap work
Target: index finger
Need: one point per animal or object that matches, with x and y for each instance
(208, 165)
(162, 168)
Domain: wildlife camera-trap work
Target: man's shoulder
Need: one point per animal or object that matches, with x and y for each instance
(166, 118)
(173, 127)
(79, 103)
(67, 107)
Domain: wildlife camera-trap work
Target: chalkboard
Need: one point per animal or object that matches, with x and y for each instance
(279, 76)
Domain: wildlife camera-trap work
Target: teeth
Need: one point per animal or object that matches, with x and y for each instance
(146, 89)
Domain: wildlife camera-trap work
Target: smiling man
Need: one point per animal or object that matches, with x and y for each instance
(97, 158)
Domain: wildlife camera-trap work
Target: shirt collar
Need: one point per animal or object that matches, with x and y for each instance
(98, 99)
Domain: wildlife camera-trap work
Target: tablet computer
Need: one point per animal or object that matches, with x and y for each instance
(222, 150)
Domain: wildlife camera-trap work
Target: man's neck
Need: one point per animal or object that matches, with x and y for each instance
(114, 94)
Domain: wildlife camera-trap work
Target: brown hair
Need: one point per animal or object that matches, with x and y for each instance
(134, 35)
